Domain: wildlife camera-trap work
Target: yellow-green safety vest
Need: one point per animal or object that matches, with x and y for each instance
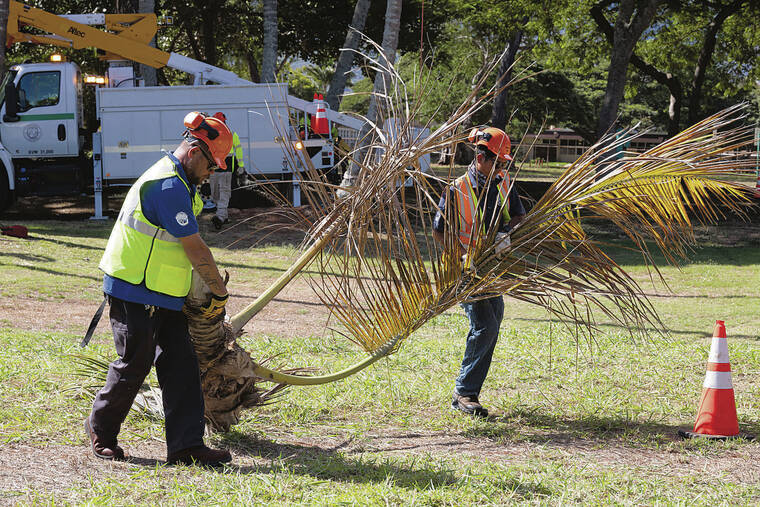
(467, 205)
(236, 152)
(139, 250)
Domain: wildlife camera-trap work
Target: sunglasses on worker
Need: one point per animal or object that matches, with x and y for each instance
(211, 162)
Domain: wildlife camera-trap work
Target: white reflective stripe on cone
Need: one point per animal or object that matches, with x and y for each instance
(718, 380)
(718, 351)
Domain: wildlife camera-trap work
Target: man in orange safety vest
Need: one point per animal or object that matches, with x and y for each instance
(481, 198)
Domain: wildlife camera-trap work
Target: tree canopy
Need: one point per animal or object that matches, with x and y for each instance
(691, 59)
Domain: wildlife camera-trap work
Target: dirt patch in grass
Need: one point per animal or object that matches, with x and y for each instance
(55, 469)
(285, 317)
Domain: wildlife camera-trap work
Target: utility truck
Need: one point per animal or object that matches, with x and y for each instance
(41, 110)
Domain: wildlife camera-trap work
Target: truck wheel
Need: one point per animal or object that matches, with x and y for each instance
(5, 192)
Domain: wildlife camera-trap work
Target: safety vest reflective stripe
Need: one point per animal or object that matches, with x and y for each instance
(467, 202)
(149, 230)
(718, 380)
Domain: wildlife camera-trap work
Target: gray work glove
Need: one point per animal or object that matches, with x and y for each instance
(468, 265)
(502, 243)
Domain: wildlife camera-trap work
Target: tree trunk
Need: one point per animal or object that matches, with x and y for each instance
(346, 57)
(666, 79)
(253, 66)
(4, 6)
(269, 56)
(147, 72)
(390, 43)
(632, 19)
(208, 39)
(499, 112)
(705, 55)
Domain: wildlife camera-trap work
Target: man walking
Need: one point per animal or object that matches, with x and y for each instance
(479, 199)
(221, 180)
(148, 263)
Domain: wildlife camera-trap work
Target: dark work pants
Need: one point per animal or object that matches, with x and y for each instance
(485, 320)
(141, 340)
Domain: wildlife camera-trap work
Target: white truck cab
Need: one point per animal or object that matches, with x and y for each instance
(41, 118)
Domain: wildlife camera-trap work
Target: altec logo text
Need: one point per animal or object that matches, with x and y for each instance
(76, 32)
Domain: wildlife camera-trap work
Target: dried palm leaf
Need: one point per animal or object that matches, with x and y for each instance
(383, 277)
(386, 278)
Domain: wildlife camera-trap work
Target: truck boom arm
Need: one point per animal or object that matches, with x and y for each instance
(129, 38)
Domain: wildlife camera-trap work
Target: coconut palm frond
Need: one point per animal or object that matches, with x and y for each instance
(94, 370)
(383, 277)
(387, 278)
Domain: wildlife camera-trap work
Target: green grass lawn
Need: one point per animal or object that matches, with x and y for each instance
(592, 421)
(529, 171)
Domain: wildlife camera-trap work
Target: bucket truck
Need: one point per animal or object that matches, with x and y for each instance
(41, 125)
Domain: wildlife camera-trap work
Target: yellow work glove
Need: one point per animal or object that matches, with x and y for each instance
(215, 307)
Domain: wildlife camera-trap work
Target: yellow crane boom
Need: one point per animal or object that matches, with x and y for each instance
(126, 36)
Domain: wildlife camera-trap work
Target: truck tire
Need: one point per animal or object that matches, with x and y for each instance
(5, 192)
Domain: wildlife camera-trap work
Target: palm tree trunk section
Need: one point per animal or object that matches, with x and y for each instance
(228, 373)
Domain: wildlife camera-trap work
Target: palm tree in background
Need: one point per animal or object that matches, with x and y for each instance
(341, 77)
(269, 55)
(382, 85)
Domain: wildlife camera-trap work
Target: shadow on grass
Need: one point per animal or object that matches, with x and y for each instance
(328, 463)
(57, 273)
(545, 429)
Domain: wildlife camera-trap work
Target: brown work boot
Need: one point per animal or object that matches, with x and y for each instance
(199, 455)
(99, 448)
(468, 404)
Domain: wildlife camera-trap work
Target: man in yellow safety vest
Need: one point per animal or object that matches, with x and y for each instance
(148, 263)
(221, 180)
(481, 198)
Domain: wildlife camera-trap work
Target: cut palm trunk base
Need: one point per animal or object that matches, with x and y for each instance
(229, 376)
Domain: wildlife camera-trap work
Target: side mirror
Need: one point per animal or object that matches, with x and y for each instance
(11, 103)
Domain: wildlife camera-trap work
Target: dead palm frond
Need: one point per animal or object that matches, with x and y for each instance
(383, 277)
(93, 370)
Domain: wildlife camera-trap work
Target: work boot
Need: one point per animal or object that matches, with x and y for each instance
(99, 448)
(199, 455)
(468, 404)
(218, 222)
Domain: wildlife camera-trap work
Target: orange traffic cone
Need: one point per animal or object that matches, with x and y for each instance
(322, 127)
(716, 417)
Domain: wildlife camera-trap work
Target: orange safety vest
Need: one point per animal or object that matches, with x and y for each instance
(467, 203)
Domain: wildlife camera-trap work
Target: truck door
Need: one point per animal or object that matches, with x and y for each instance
(46, 122)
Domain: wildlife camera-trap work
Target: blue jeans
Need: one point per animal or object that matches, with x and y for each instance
(485, 319)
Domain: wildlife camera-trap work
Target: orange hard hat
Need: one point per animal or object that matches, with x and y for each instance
(220, 116)
(496, 140)
(212, 132)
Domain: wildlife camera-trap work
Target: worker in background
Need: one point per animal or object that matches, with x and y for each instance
(221, 180)
(148, 263)
(475, 198)
(341, 150)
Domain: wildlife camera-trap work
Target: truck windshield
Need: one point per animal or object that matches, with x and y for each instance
(38, 89)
